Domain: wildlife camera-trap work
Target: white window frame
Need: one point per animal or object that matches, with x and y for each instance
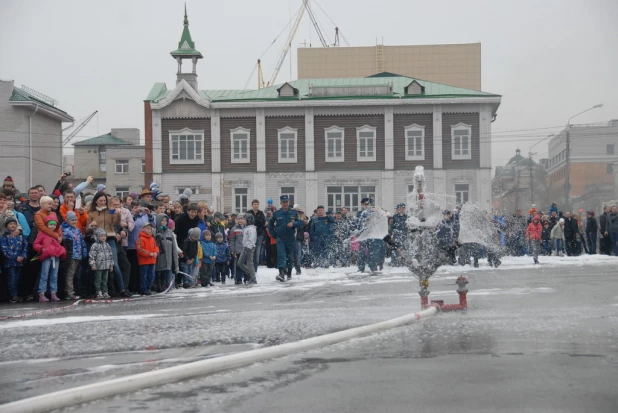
(240, 208)
(143, 166)
(291, 194)
(186, 131)
(122, 191)
(415, 157)
(124, 166)
(348, 196)
(238, 131)
(103, 167)
(461, 201)
(287, 158)
(366, 158)
(461, 156)
(102, 155)
(334, 158)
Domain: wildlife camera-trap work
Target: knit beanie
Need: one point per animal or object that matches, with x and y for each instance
(188, 192)
(100, 187)
(71, 216)
(194, 233)
(205, 233)
(8, 221)
(8, 180)
(98, 232)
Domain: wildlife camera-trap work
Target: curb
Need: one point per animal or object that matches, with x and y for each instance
(82, 394)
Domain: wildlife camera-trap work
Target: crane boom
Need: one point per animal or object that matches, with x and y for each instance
(286, 49)
(315, 23)
(79, 128)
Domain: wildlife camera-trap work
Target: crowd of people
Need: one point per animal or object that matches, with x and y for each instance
(69, 244)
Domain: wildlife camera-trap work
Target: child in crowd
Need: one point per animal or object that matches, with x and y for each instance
(51, 253)
(223, 259)
(147, 252)
(15, 250)
(533, 235)
(546, 238)
(557, 235)
(101, 260)
(245, 260)
(209, 256)
(189, 261)
(76, 251)
(167, 261)
(306, 260)
(236, 248)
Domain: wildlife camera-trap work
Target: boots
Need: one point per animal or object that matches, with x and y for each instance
(42, 298)
(54, 297)
(288, 272)
(281, 276)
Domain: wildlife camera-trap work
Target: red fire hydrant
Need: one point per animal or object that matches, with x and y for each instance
(462, 290)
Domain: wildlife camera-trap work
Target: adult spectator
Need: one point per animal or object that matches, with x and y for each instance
(592, 227)
(69, 204)
(606, 243)
(517, 228)
(282, 227)
(30, 208)
(259, 220)
(613, 230)
(186, 221)
(571, 229)
(8, 184)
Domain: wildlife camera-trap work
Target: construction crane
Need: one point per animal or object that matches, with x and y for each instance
(315, 24)
(79, 128)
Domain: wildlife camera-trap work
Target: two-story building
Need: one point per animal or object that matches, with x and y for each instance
(322, 141)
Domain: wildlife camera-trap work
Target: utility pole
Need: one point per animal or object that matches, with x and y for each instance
(567, 171)
(531, 179)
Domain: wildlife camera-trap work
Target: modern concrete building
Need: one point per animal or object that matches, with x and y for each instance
(594, 165)
(115, 159)
(30, 136)
(322, 141)
(450, 64)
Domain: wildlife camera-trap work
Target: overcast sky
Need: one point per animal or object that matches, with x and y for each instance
(548, 59)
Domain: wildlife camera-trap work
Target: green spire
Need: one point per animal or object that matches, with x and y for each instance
(186, 46)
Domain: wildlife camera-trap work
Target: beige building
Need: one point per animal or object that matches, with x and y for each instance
(449, 64)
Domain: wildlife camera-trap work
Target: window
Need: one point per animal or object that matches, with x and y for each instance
(241, 197)
(334, 137)
(609, 168)
(460, 138)
(462, 193)
(143, 166)
(122, 166)
(415, 139)
(240, 145)
(290, 191)
(287, 145)
(102, 156)
(366, 143)
(103, 167)
(187, 146)
(181, 189)
(122, 191)
(348, 196)
(610, 149)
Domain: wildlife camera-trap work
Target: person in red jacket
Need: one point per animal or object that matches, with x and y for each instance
(147, 252)
(51, 253)
(533, 235)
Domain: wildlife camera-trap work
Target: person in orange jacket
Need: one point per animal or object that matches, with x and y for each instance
(68, 204)
(533, 235)
(147, 252)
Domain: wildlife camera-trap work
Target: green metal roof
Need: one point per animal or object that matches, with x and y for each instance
(20, 95)
(103, 140)
(186, 46)
(399, 83)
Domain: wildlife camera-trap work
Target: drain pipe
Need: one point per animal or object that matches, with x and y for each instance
(462, 290)
(36, 109)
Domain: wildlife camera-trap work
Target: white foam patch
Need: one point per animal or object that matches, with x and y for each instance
(70, 320)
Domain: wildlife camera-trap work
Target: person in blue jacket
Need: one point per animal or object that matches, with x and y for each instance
(321, 232)
(282, 226)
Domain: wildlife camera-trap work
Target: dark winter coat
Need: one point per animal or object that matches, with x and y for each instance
(189, 249)
(400, 225)
(604, 223)
(278, 225)
(259, 220)
(546, 234)
(184, 224)
(321, 228)
(591, 225)
(613, 222)
(445, 233)
(223, 252)
(571, 228)
(13, 248)
(217, 228)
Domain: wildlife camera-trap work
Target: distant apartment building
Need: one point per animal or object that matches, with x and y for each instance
(115, 159)
(594, 165)
(449, 64)
(30, 136)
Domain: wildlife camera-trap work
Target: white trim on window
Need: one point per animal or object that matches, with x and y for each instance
(240, 145)
(366, 143)
(288, 145)
(122, 166)
(193, 142)
(414, 134)
(240, 199)
(461, 141)
(336, 149)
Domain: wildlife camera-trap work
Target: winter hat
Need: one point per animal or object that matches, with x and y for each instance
(134, 195)
(218, 235)
(8, 221)
(154, 186)
(45, 199)
(51, 218)
(269, 201)
(194, 233)
(88, 199)
(219, 215)
(71, 216)
(146, 224)
(100, 187)
(182, 196)
(561, 220)
(250, 219)
(9, 181)
(533, 205)
(188, 192)
(205, 233)
(98, 232)
(171, 224)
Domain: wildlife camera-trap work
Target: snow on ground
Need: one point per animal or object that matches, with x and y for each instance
(71, 320)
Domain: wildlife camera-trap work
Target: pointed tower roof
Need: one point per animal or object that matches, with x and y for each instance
(186, 46)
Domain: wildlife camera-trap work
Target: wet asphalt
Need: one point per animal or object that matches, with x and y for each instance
(533, 340)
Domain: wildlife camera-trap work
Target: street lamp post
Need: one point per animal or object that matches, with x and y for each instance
(567, 181)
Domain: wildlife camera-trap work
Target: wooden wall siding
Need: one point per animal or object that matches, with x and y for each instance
(399, 123)
(184, 108)
(349, 123)
(226, 145)
(272, 143)
(450, 119)
(178, 124)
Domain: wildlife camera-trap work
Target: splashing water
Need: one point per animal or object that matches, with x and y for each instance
(475, 226)
(375, 227)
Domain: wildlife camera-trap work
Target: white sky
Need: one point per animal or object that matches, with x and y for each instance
(550, 59)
